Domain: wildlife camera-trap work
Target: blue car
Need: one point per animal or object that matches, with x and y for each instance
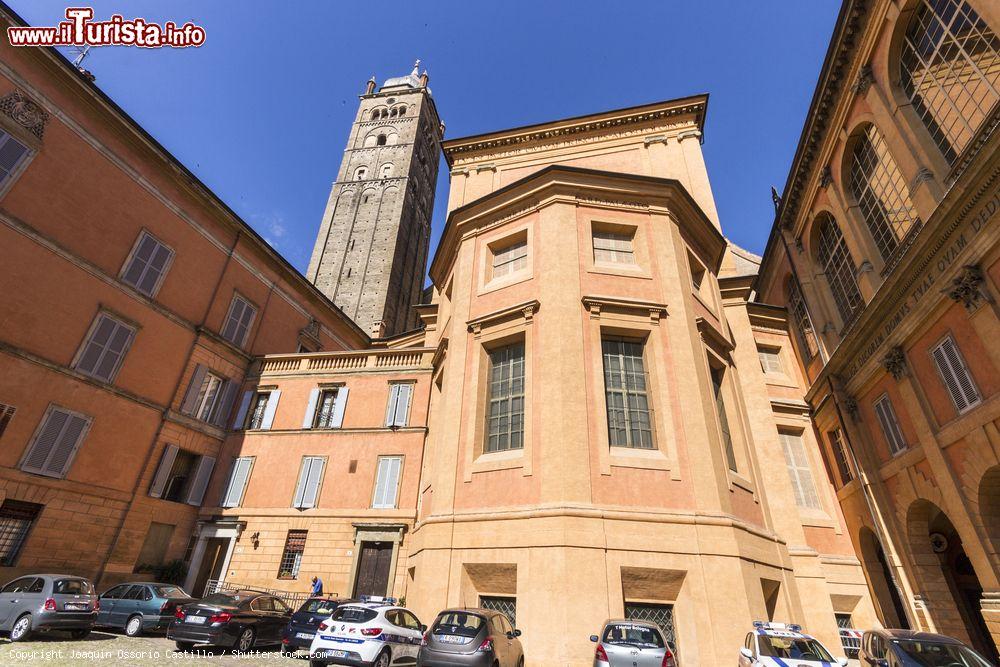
(141, 606)
(911, 648)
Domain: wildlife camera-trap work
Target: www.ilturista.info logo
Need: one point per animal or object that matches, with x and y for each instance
(81, 30)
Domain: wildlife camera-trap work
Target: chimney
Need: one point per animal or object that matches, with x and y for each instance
(378, 329)
(424, 79)
(370, 88)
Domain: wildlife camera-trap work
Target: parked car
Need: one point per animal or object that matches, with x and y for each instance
(909, 648)
(141, 606)
(471, 638)
(43, 602)
(372, 632)
(301, 628)
(625, 643)
(239, 620)
(781, 644)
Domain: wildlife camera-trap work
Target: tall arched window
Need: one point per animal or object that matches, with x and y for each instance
(804, 331)
(881, 191)
(950, 70)
(838, 265)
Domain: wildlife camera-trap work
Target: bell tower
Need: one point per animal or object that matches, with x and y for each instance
(370, 255)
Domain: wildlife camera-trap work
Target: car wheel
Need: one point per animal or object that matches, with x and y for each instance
(78, 634)
(245, 641)
(382, 660)
(21, 629)
(133, 627)
(184, 646)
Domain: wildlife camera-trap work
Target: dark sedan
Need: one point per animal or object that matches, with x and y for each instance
(239, 620)
(301, 629)
(141, 606)
(910, 648)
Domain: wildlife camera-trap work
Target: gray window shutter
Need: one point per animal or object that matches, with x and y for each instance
(403, 403)
(163, 471)
(232, 319)
(390, 410)
(310, 479)
(191, 397)
(224, 404)
(238, 478)
(307, 421)
(300, 487)
(241, 415)
(272, 407)
(56, 443)
(890, 424)
(69, 442)
(45, 441)
(202, 473)
(338, 409)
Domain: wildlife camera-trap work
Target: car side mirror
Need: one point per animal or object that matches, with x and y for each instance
(593, 638)
(746, 653)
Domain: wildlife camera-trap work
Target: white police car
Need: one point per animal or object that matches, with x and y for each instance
(372, 632)
(784, 645)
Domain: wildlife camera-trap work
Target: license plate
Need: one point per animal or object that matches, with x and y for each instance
(304, 635)
(449, 639)
(76, 606)
(197, 620)
(332, 653)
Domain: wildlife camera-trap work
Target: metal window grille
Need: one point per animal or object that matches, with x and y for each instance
(881, 191)
(800, 317)
(799, 471)
(840, 455)
(291, 557)
(16, 518)
(503, 604)
(510, 259)
(660, 614)
(838, 265)
(613, 248)
(505, 418)
(6, 414)
(259, 407)
(327, 408)
(625, 389)
(950, 70)
(850, 639)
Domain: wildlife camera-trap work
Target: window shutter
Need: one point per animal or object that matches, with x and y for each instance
(65, 449)
(238, 478)
(272, 407)
(339, 407)
(56, 443)
(224, 404)
(241, 415)
(390, 411)
(955, 374)
(202, 473)
(45, 441)
(232, 319)
(307, 421)
(890, 424)
(387, 479)
(163, 471)
(403, 403)
(310, 479)
(191, 397)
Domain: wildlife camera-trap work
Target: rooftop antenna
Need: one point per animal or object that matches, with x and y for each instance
(81, 53)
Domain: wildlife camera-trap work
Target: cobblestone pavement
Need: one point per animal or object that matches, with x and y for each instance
(107, 648)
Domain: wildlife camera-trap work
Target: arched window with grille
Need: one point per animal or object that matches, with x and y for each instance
(799, 317)
(838, 266)
(950, 70)
(881, 191)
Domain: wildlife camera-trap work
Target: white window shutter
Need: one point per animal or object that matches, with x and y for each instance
(405, 391)
(238, 479)
(191, 397)
(386, 482)
(300, 486)
(339, 407)
(307, 421)
(202, 473)
(163, 471)
(390, 410)
(310, 479)
(241, 415)
(270, 409)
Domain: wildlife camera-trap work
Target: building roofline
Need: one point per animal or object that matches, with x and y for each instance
(89, 86)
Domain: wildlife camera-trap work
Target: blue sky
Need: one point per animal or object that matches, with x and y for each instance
(262, 111)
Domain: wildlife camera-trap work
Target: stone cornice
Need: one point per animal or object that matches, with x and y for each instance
(596, 303)
(526, 310)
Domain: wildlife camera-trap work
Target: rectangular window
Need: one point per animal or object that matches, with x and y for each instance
(326, 409)
(505, 412)
(6, 414)
(506, 605)
(174, 474)
(104, 348)
(839, 448)
(890, 424)
(238, 321)
(147, 264)
(310, 481)
(956, 376)
(258, 407)
(612, 248)
(769, 359)
(625, 393)
(56, 442)
(718, 376)
(12, 155)
(799, 470)
(387, 482)
(398, 409)
(209, 396)
(697, 273)
(510, 259)
(662, 615)
(16, 519)
(291, 557)
(236, 486)
(154, 547)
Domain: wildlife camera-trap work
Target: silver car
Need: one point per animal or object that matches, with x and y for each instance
(632, 644)
(43, 602)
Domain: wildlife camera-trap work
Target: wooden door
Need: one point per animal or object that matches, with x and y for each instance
(373, 569)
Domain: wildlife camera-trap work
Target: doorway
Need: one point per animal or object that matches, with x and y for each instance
(374, 565)
(211, 563)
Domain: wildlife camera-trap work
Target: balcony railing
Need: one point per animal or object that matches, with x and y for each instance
(292, 598)
(347, 361)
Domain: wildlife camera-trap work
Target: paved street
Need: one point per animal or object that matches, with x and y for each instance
(103, 648)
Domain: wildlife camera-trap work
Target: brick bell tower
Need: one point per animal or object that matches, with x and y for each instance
(370, 255)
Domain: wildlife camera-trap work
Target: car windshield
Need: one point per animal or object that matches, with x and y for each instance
(458, 623)
(73, 587)
(796, 649)
(225, 599)
(318, 606)
(354, 614)
(633, 635)
(933, 654)
(170, 592)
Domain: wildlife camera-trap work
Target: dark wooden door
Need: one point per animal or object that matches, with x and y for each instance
(373, 569)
